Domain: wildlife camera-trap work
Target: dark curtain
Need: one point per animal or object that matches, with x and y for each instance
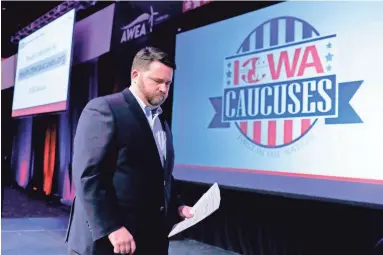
(84, 87)
(8, 129)
(42, 145)
(252, 223)
(22, 157)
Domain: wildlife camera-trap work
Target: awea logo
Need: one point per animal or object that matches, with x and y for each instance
(141, 26)
(280, 83)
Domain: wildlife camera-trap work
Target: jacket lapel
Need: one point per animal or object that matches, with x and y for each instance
(142, 121)
(169, 146)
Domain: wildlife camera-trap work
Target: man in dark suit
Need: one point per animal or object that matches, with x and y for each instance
(122, 167)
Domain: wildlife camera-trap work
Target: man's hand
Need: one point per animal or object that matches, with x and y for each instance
(122, 241)
(185, 211)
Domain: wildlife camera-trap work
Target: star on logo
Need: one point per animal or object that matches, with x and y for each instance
(228, 74)
(228, 82)
(229, 64)
(329, 57)
(329, 46)
(328, 68)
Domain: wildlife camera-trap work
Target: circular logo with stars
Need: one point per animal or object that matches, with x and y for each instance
(280, 82)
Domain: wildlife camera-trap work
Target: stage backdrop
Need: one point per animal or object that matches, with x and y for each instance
(284, 99)
(135, 21)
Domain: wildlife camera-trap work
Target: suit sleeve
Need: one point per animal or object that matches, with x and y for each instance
(93, 168)
(176, 198)
(176, 194)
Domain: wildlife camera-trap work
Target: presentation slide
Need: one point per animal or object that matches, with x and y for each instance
(285, 99)
(43, 67)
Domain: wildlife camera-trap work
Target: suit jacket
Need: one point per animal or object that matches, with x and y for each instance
(119, 179)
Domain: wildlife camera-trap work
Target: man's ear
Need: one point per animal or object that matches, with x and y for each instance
(134, 74)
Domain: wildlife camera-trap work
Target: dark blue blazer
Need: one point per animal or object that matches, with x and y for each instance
(119, 179)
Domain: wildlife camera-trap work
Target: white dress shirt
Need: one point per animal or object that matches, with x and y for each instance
(156, 126)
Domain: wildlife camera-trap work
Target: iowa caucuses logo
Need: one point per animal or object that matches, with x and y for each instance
(281, 82)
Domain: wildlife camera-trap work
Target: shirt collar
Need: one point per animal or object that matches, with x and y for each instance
(147, 110)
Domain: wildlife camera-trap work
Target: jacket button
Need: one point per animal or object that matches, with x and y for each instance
(162, 208)
(164, 183)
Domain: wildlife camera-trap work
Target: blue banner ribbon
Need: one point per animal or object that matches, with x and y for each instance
(217, 119)
(346, 114)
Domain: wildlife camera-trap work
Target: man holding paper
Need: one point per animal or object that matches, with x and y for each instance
(205, 206)
(122, 167)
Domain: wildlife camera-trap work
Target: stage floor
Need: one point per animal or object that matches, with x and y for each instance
(32, 236)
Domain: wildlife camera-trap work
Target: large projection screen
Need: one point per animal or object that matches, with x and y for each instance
(285, 99)
(43, 68)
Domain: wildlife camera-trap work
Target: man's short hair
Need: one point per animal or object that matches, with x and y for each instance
(148, 55)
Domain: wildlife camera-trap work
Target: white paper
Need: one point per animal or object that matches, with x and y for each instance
(206, 205)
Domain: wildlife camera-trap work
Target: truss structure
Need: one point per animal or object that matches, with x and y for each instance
(50, 16)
